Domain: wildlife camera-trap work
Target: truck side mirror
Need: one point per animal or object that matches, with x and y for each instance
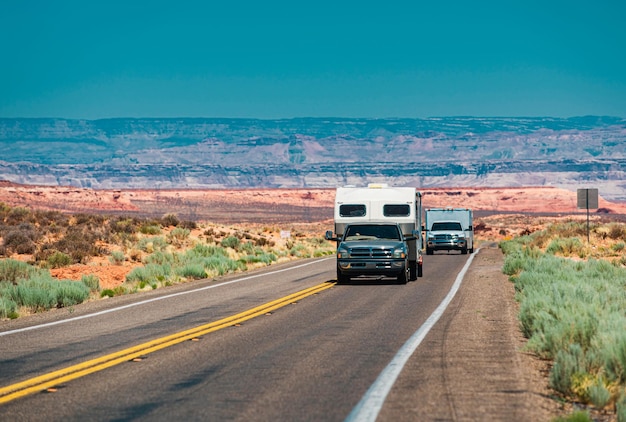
(329, 235)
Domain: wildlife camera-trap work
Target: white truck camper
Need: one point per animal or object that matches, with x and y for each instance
(380, 203)
(449, 229)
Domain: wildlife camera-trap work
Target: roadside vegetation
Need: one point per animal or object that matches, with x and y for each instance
(164, 252)
(572, 296)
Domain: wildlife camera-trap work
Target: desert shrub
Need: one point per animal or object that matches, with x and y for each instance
(230, 242)
(299, 251)
(160, 258)
(572, 312)
(598, 394)
(178, 235)
(565, 246)
(617, 231)
(117, 257)
(618, 247)
(41, 292)
(193, 271)
(117, 291)
(265, 258)
(620, 408)
(576, 416)
(8, 308)
(262, 241)
(206, 250)
(58, 259)
(135, 255)
(17, 215)
(69, 293)
(151, 229)
(21, 239)
(170, 220)
(123, 225)
(78, 245)
(13, 271)
(151, 274)
(567, 364)
(246, 247)
(220, 265)
(188, 224)
(152, 244)
(91, 281)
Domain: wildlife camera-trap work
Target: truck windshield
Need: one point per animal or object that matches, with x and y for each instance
(449, 225)
(361, 232)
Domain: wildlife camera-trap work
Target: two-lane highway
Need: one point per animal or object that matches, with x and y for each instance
(312, 359)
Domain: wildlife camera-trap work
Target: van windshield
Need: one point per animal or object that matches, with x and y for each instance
(447, 226)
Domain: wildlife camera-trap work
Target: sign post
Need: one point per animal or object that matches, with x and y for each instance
(587, 198)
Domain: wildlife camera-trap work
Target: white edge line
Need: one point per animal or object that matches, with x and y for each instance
(143, 302)
(371, 403)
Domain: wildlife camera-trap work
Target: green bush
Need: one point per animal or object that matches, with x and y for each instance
(230, 242)
(573, 313)
(117, 291)
(576, 416)
(170, 220)
(92, 282)
(178, 235)
(117, 257)
(151, 274)
(59, 260)
(13, 271)
(151, 229)
(69, 293)
(152, 244)
(8, 308)
(193, 271)
(42, 293)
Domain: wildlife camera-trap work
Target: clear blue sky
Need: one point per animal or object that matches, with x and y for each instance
(282, 59)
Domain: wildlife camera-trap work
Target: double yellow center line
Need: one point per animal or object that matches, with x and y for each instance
(49, 380)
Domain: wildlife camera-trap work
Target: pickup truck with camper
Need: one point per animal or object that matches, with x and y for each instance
(366, 221)
(449, 229)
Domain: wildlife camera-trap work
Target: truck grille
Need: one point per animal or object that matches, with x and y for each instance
(370, 253)
(443, 237)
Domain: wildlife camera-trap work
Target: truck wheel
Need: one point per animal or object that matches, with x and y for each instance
(342, 278)
(402, 277)
(464, 251)
(419, 271)
(429, 251)
(413, 270)
(471, 250)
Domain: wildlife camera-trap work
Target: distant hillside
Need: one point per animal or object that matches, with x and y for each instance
(569, 153)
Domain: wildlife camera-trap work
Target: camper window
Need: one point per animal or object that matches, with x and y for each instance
(352, 210)
(399, 210)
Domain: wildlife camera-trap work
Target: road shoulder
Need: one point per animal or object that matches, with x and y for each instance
(476, 348)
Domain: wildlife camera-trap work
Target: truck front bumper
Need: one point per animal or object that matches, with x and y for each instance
(446, 245)
(387, 267)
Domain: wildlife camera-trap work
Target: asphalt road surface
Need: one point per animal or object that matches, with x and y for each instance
(311, 360)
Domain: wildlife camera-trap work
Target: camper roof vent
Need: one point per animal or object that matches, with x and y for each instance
(377, 185)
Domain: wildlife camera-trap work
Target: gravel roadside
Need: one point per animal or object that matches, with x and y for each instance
(476, 350)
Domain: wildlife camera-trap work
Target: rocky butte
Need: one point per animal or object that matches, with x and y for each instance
(218, 153)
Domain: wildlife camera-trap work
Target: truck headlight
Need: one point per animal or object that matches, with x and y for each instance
(399, 253)
(342, 253)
